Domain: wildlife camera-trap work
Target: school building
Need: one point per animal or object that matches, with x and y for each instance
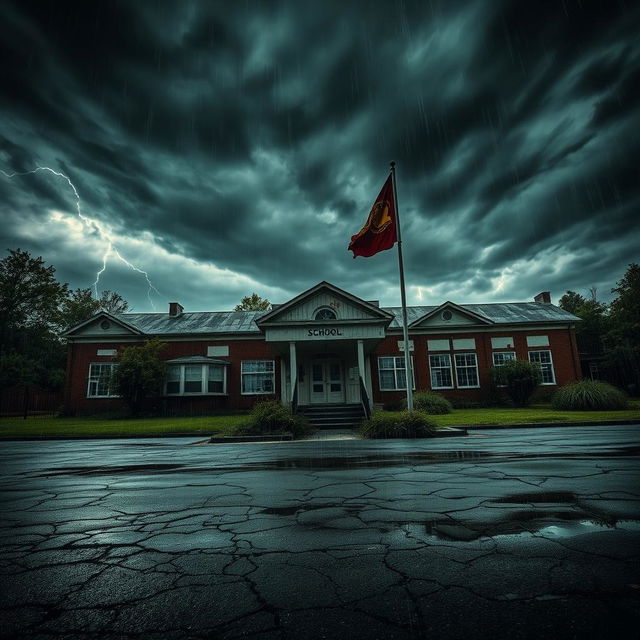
(324, 348)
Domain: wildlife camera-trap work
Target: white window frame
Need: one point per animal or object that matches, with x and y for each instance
(204, 380)
(396, 368)
(512, 355)
(544, 365)
(244, 373)
(499, 364)
(465, 367)
(432, 368)
(94, 379)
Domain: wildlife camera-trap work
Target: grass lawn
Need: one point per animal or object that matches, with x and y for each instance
(537, 413)
(87, 426)
(209, 425)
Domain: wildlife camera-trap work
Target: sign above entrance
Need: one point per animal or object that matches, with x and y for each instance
(326, 332)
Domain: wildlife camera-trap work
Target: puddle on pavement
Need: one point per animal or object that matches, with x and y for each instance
(420, 458)
(387, 459)
(101, 471)
(561, 521)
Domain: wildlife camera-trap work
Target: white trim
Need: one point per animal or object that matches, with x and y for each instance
(502, 353)
(431, 368)
(550, 363)
(96, 380)
(248, 373)
(537, 341)
(204, 380)
(475, 365)
(395, 369)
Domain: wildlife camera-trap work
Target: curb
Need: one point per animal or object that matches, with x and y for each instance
(541, 425)
(286, 437)
(450, 432)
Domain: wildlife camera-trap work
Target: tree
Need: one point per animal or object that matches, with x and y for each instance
(571, 302)
(30, 299)
(253, 303)
(519, 379)
(80, 305)
(140, 373)
(595, 321)
(622, 340)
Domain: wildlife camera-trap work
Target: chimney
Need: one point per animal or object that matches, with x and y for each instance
(544, 297)
(175, 309)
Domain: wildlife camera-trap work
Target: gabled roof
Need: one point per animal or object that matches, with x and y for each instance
(375, 311)
(465, 311)
(119, 319)
(497, 313)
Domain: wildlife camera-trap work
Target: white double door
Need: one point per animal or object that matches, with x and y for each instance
(326, 382)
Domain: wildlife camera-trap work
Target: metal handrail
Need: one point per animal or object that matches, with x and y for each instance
(294, 398)
(364, 399)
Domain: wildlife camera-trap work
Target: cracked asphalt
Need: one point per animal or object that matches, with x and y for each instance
(528, 533)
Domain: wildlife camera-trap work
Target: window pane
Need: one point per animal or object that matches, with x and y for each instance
(215, 382)
(387, 380)
(193, 378)
(100, 379)
(386, 363)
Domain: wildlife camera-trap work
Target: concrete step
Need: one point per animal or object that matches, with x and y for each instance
(333, 416)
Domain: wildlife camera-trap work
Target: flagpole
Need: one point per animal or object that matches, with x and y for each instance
(403, 297)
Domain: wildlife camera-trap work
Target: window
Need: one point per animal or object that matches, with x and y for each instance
(543, 358)
(502, 343)
(258, 376)
(466, 370)
(100, 380)
(440, 366)
(392, 372)
(196, 379)
(325, 313)
(500, 357)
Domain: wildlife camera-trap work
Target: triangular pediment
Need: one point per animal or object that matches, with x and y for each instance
(324, 296)
(449, 314)
(103, 324)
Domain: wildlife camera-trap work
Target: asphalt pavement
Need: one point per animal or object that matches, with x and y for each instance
(528, 533)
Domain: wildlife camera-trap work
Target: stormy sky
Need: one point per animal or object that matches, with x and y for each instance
(230, 148)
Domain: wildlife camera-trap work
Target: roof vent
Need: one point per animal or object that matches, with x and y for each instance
(175, 309)
(374, 303)
(544, 297)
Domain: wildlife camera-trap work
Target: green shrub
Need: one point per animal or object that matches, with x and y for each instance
(270, 417)
(395, 405)
(404, 424)
(430, 402)
(519, 379)
(589, 395)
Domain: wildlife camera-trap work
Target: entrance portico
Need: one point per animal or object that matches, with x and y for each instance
(324, 337)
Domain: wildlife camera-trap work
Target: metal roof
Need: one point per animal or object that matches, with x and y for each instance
(195, 322)
(208, 322)
(497, 312)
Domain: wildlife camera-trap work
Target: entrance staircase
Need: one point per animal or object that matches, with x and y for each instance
(333, 416)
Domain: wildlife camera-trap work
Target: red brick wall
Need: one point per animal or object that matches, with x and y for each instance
(81, 355)
(561, 345)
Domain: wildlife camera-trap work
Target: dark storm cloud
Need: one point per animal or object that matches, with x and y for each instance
(240, 147)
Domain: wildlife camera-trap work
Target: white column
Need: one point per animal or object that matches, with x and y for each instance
(361, 369)
(293, 364)
(283, 381)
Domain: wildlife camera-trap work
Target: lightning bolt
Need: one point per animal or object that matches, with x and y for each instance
(97, 227)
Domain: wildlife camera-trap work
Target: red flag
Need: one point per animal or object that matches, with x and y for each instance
(379, 231)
